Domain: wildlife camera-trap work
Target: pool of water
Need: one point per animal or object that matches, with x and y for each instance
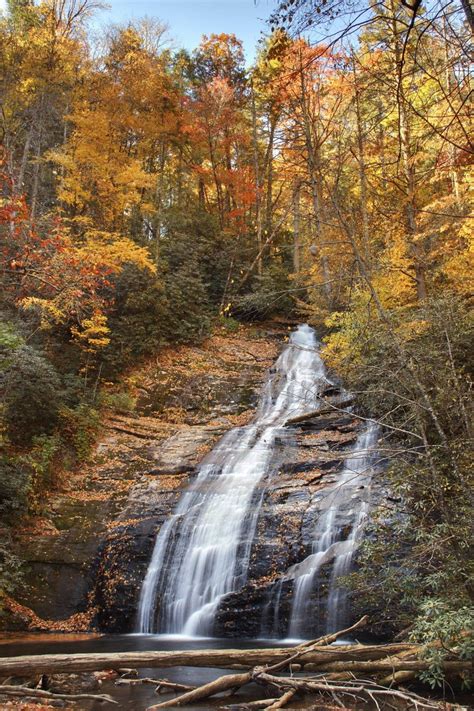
(138, 697)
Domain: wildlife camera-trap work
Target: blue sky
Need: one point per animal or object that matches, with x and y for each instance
(188, 20)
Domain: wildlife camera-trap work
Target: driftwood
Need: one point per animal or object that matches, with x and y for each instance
(11, 690)
(231, 682)
(283, 700)
(334, 679)
(249, 705)
(163, 686)
(221, 658)
(324, 410)
(353, 657)
(288, 687)
(236, 681)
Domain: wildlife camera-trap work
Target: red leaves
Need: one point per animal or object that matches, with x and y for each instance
(46, 269)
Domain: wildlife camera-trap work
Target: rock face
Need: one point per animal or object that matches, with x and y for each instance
(107, 520)
(308, 461)
(94, 541)
(125, 552)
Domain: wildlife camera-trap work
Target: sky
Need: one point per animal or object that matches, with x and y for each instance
(188, 20)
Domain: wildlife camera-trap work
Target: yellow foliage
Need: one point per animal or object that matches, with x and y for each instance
(459, 268)
(113, 251)
(411, 330)
(50, 311)
(69, 283)
(343, 347)
(94, 333)
(395, 282)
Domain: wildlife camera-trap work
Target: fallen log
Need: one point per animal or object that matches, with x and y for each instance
(324, 410)
(334, 668)
(223, 683)
(31, 665)
(334, 636)
(290, 686)
(249, 705)
(397, 677)
(391, 664)
(356, 689)
(10, 690)
(282, 701)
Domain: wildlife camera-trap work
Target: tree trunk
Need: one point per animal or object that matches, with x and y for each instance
(341, 404)
(37, 164)
(256, 167)
(407, 160)
(362, 167)
(469, 12)
(313, 159)
(24, 161)
(296, 227)
(269, 174)
(223, 659)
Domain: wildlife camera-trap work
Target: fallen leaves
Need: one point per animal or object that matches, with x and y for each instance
(38, 526)
(242, 418)
(118, 523)
(81, 621)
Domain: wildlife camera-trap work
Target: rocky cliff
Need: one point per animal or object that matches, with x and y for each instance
(94, 554)
(91, 545)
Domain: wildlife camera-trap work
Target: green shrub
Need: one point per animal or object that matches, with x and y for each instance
(15, 487)
(415, 375)
(120, 401)
(440, 621)
(190, 311)
(10, 571)
(32, 395)
(137, 318)
(269, 296)
(10, 341)
(40, 460)
(230, 324)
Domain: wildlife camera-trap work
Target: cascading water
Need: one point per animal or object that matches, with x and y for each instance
(357, 475)
(340, 512)
(202, 552)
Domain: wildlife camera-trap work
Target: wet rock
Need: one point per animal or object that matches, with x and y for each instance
(104, 547)
(123, 557)
(178, 453)
(121, 565)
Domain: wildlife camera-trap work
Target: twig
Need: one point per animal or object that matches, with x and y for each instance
(162, 685)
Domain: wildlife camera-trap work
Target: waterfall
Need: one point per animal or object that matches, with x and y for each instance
(342, 507)
(359, 464)
(202, 552)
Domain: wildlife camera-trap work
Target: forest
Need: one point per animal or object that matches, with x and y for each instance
(150, 196)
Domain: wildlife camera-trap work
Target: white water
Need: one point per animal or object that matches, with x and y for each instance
(343, 506)
(202, 552)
